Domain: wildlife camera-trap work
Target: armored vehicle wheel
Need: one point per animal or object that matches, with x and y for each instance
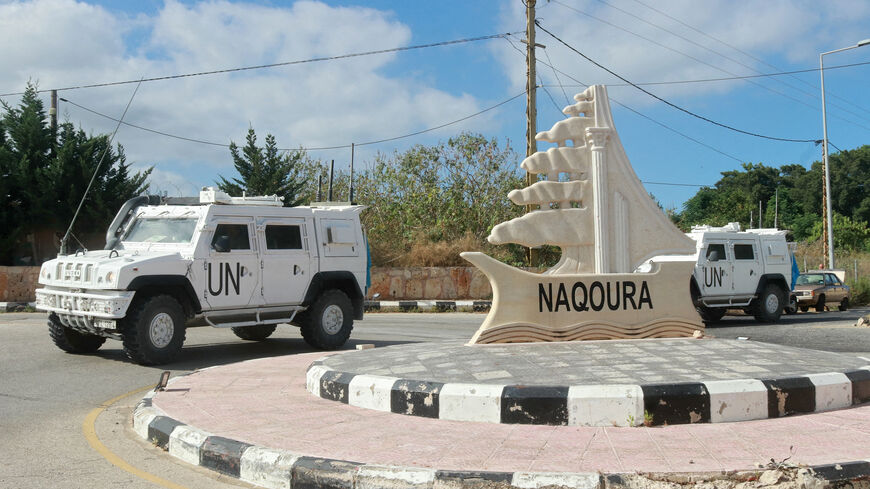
(844, 304)
(153, 331)
(768, 307)
(711, 314)
(254, 333)
(820, 304)
(70, 340)
(329, 321)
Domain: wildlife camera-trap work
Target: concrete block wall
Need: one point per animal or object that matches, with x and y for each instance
(431, 283)
(17, 284)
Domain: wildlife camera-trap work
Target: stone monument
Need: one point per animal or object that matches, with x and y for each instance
(595, 209)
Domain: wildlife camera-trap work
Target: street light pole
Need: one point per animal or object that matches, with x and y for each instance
(828, 213)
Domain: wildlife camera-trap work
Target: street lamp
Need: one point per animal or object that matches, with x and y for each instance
(830, 227)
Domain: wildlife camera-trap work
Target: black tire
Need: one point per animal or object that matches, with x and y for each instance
(820, 304)
(768, 306)
(805, 308)
(844, 304)
(711, 314)
(153, 332)
(329, 321)
(72, 341)
(254, 333)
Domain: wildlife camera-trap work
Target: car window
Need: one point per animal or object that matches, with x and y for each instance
(830, 279)
(237, 234)
(718, 248)
(811, 279)
(743, 252)
(283, 237)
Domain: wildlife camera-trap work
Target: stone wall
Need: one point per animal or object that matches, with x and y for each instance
(441, 283)
(449, 283)
(17, 284)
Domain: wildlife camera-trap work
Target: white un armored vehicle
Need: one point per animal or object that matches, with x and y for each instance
(245, 263)
(750, 270)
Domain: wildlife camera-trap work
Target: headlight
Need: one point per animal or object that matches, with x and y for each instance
(110, 277)
(46, 274)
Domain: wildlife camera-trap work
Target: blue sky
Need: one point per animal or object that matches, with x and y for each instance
(62, 43)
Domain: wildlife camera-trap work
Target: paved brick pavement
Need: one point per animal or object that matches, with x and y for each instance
(265, 403)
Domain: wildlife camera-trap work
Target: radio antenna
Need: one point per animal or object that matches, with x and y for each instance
(65, 239)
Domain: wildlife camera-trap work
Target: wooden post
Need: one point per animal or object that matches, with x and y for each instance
(531, 108)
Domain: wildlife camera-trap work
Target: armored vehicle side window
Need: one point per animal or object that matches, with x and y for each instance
(743, 252)
(283, 237)
(715, 252)
(237, 234)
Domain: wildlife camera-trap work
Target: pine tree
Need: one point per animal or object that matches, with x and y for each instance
(265, 171)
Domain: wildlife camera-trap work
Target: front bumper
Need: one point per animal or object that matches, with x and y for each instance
(807, 299)
(101, 304)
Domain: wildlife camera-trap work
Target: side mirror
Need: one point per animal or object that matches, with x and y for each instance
(221, 244)
(714, 256)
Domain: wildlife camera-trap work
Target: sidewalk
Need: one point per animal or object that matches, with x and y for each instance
(255, 420)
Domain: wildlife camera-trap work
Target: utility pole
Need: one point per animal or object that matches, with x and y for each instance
(52, 116)
(825, 249)
(531, 107)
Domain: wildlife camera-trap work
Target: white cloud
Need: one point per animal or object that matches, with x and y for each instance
(65, 42)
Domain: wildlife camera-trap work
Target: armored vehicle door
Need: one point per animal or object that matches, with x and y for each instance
(232, 268)
(716, 269)
(285, 261)
(747, 269)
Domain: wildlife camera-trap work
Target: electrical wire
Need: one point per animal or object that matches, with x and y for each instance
(698, 116)
(813, 95)
(741, 77)
(663, 125)
(749, 55)
(698, 60)
(275, 65)
(301, 148)
(556, 75)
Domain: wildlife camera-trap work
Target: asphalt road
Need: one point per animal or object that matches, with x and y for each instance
(48, 398)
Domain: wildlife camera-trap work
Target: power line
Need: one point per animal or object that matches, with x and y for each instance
(738, 62)
(274, 65)
(711, 121)
(739, 77)
(663, 125)
(212, 143)
(698, 60)
(732, 47)
(676, 184)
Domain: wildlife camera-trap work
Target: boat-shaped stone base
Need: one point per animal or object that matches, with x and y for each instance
(532, 307)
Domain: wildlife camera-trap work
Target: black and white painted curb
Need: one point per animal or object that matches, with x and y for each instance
(428, 305)
(594, 405)
(271, 468)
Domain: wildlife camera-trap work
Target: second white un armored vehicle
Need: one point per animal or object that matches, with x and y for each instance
(245, 263)
(751, 270)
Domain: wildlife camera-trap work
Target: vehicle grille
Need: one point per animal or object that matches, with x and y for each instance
(75, 273)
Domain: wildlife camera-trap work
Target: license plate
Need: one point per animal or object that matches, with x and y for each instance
(104, 323)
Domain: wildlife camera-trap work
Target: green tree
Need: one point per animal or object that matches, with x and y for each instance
(44, 178)
(849, 234)
(265, 171)
(439, 194)
(70, 172)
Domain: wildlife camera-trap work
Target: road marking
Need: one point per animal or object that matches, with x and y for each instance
(90, 432)
(865, 358)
